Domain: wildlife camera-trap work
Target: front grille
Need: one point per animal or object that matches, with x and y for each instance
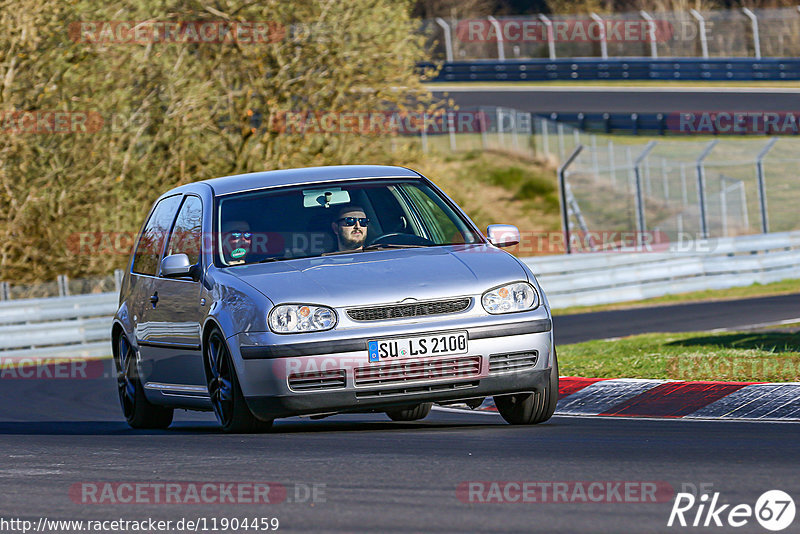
(413, 370)
(428, 388)
(514, 361)
(316, 381)
(402, 311)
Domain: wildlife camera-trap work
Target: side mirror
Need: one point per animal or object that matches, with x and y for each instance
(177, 266)
(503, 235)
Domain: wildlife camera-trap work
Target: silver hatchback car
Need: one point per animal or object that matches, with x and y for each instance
(326, 290)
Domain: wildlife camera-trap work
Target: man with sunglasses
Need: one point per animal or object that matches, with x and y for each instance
(350, 228)
(236, 241)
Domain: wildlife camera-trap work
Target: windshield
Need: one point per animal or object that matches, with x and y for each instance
(336, 218)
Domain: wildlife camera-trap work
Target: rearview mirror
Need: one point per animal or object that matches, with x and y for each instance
(503, 235)
(177, 266)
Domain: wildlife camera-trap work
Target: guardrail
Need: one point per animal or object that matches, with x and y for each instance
(80, 326)
(720, 69)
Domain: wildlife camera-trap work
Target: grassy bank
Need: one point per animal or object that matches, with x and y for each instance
(736, 356)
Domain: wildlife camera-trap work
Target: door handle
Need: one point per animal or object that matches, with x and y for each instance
(154, 299)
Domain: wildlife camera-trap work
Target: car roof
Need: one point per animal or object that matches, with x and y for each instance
(308, 175)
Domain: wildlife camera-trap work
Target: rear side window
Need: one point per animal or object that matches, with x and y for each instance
(187, 234)
(151, 242)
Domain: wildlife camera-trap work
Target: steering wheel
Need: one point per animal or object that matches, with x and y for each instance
(397, 238)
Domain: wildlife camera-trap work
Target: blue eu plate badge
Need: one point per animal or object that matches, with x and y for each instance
(373, 351)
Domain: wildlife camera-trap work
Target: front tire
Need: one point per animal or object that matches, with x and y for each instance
(531, 408)
(414, 413)
(138, 411)
(226, 395)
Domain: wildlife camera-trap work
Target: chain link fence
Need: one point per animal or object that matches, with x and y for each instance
(773, 32)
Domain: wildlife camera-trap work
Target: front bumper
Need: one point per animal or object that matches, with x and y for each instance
(336, 374)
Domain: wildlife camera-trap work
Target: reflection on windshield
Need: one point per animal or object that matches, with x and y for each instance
(344, 218)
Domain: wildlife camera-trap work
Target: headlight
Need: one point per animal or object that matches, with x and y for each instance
(293, 318)
(519, 296)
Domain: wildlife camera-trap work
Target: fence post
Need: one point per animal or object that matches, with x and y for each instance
(595, 161)
(641, 223)
(501, 53)
(423, 133)
(723, 204)
(754, 21)
(560, 130)
(551, 38)
(664, 179)
(701, 188)
(684, 189)
(545, 135)
(63, 285)
(701, 22)
(484, 129)
(118, 275)
(5, 291)
(603, 40)
(651, 31)
(451, 130)
(514, 123)
(562, 188)
(500, 134)
(762, 188)
(448, 38)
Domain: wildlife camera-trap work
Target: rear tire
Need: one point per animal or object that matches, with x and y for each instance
(227, 399)
(138, 411)
(414, 413)
(531, 408)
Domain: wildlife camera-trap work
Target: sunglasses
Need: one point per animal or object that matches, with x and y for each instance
(351, 221)
(237, 235)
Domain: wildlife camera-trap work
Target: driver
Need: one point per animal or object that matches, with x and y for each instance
(350, 228)
(236, 241)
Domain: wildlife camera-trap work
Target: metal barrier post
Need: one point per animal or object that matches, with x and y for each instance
(603, 39)
(5, 291)
(754, 22)
(701, 188)
(701, 22)
(448, 38)
(641, 224)
(551, 38)
(562, 188)
(762, 188)
(651, 32)
(63, 285)
(501, 53)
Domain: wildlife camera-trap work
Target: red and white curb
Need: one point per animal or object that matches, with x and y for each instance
(632, 397)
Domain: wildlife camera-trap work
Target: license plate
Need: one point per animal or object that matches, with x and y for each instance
(417, 347)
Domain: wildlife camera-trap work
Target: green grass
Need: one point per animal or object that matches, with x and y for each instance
(737, 357)
(784, 287)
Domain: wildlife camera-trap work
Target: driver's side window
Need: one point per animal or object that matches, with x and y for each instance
(187, 234)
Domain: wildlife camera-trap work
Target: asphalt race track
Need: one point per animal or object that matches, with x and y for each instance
(375, 475)
(548, 99)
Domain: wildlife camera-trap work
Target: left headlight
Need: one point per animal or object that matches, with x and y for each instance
(294, 318)
(519, 296)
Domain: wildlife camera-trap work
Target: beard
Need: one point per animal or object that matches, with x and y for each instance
(353, 241)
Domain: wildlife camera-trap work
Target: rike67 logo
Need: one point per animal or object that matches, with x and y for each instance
(774, 510)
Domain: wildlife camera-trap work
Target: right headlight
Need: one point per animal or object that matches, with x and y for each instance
(295, 318)
(515, 297)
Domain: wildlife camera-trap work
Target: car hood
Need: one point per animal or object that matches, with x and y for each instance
(383, 276)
